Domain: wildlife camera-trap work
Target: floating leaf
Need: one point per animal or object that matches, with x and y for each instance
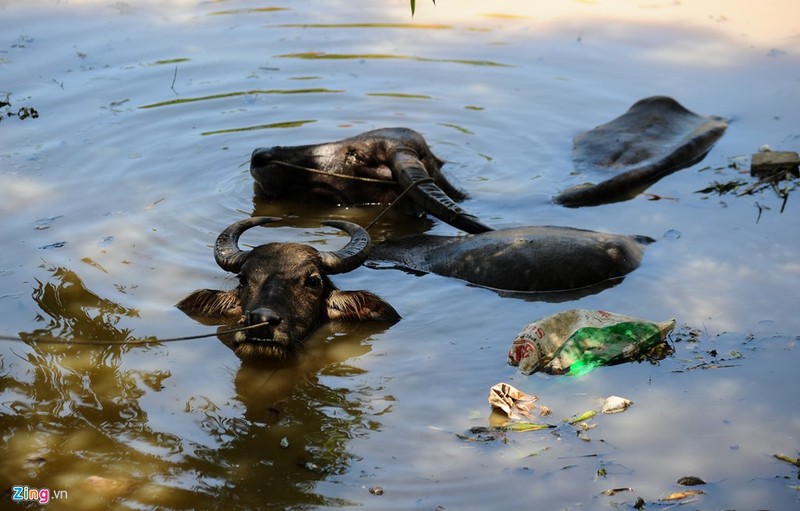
(582, 417)
(680, 495)
(614, 491)
(401, 95)
(787, 459)
(722, 188)
(526, 426)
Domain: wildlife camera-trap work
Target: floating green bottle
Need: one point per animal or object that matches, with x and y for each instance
(578, 340)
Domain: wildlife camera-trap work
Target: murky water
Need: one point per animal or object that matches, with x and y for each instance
(112, 197)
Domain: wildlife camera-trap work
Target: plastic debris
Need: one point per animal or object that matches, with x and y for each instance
(513, 402)
(615, 404)
(577, 340)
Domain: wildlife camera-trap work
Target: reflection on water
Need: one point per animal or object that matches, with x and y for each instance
(74, 419)
(74, 409)
(71, 311)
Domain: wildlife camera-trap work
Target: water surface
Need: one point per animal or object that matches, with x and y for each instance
(111, 200)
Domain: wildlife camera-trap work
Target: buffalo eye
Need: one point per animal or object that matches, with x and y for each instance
(353, 155)
(314, 281)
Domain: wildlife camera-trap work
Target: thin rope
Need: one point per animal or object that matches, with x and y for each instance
(364, 179)
(402, 194)
(334, 174)
(131, 342)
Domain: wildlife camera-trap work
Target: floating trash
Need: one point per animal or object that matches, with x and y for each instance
(576, 341)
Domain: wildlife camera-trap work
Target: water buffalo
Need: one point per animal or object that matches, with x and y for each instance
(548, 263)
(285, 287)
(371, 168)
(654, 138)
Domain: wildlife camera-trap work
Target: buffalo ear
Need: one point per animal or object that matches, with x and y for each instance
(359, 306)
(212, 304)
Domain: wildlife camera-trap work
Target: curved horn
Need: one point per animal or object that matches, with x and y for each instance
(352, 255)
(227, 253)
(408, 169)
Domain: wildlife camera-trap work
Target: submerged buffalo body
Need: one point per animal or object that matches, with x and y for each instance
(284, 291)
(654, 138)
(521, 260)
(371, 168)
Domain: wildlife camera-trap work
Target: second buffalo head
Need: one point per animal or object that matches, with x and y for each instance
(375, 167)
(284, 288)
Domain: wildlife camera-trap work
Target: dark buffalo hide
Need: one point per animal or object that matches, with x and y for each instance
(543, 263)
(653, 139)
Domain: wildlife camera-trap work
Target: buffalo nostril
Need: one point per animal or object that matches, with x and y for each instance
(263, 315)
(261, 157)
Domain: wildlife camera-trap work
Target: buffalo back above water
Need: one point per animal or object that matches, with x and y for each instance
(537, 260)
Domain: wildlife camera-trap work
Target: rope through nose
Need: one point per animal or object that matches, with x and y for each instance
(334, 174)
(402, 194)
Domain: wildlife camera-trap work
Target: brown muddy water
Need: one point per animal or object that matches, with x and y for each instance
(147, 113)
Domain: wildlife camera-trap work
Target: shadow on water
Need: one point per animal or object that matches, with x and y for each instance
(75, 416)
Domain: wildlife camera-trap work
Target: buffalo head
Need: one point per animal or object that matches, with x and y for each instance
(284, 287)
(371, 168)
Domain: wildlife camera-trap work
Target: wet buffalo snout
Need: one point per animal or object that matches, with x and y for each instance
(263, 156)
(263, 315)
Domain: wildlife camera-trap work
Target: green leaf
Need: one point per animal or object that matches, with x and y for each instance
(527, 426)
(414, 6)
(787, 459)
(582, 417)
